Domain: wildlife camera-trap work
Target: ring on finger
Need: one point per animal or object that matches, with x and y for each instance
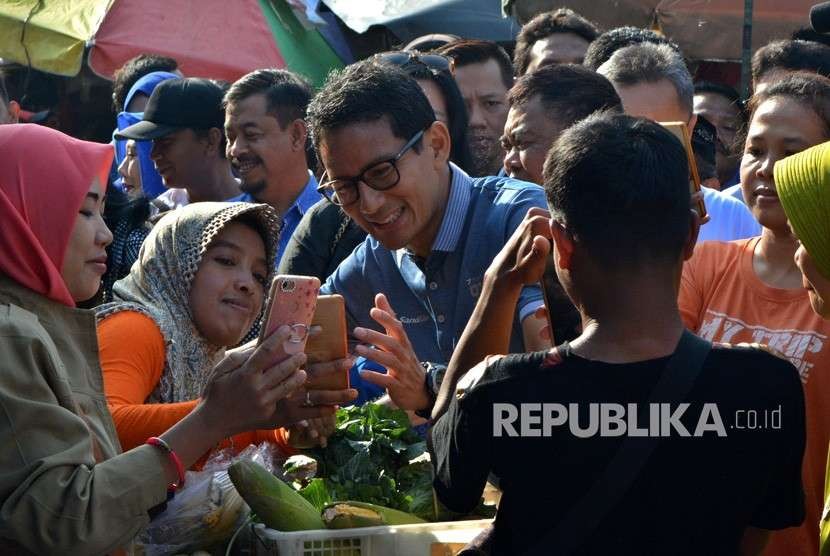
(308, 402)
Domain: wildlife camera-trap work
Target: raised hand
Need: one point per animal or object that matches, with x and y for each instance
(522, 259)
(404, 381)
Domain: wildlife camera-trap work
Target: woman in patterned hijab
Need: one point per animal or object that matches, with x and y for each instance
(198, 286)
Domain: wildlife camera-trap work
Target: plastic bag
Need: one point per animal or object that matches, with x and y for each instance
(208, 510)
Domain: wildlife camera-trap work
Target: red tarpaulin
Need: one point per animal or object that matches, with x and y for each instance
(216, 38)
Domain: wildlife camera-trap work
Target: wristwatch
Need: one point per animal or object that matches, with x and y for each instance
(433, 376)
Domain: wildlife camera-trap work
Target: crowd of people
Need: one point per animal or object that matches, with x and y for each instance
(525, 270)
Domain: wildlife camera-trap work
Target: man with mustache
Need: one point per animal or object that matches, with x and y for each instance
(267, 139)
(543, 104)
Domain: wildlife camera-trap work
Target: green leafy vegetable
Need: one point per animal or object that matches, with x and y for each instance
(363, 459)
(368, 459)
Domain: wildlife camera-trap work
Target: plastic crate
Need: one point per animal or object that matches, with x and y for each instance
(423, 539)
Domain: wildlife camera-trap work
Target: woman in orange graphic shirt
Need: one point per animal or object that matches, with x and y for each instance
(751, 290)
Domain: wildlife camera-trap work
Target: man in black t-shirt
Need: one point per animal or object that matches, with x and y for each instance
(726, 465)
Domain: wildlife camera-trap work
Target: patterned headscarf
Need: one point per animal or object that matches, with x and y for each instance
(803, 185)
(159, 286)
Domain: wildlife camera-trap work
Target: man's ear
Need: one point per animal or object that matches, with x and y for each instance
(299, 134)
(563, 244)
(691, 239)
(14, 112)
(214, 139)
(438, 143)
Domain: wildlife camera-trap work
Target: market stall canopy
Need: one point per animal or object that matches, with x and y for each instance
(704, 29)
(408, 19)
(218, 39)
(49, 36)
(212, 38)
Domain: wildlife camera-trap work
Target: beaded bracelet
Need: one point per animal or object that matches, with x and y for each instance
(164, 447)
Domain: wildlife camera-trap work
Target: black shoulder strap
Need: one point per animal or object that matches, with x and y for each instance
(675, 383)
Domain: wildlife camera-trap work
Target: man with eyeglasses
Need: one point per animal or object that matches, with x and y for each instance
(432, 229)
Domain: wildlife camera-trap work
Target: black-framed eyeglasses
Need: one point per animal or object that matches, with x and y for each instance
(379, 176)
(434, 62)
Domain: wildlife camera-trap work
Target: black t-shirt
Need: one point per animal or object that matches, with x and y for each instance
(694, 495)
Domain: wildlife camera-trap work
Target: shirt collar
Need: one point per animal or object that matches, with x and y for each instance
(459, 201)
(307, 197)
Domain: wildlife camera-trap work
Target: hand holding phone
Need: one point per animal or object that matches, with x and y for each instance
(291, 302)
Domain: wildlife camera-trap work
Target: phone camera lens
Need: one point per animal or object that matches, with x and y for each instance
(287, 286)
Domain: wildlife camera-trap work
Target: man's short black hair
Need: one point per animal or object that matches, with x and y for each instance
(620, 185)
(568, 92)
(365, 92)
(563, 20)
(473, 51)
(134, 69)
(610, 41)
(789, 55)
(286, 94)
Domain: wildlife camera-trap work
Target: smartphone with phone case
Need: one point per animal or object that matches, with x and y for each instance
(331, 343)
(291, 302)
(680, 131)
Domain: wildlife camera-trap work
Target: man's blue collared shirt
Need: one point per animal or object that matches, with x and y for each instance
(434, 298)
(308, 197)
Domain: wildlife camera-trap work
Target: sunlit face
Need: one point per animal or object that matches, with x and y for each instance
(485, 96)
(558, 48)
(258, 147)
(85, 260)
(130, 171)
(228, 289)
(529, 132)
(780, 127)
(816, 284)
(180, 158)
(409, 213)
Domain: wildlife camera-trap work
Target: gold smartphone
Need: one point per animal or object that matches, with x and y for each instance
(680, 131)
(331, 343)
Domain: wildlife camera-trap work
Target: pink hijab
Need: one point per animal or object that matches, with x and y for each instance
(44, 178)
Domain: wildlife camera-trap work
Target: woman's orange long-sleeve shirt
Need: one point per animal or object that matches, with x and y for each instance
(132, 354)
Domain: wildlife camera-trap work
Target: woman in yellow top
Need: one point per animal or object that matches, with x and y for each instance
(803, 182)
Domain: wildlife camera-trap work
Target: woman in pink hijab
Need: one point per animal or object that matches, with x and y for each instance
(65, 488)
